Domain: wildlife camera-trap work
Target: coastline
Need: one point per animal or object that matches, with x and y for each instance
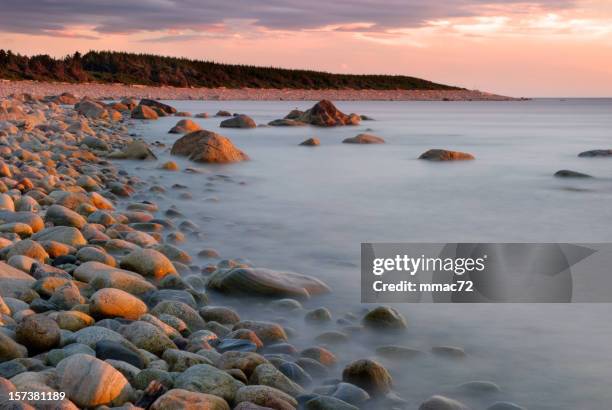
(116, 91)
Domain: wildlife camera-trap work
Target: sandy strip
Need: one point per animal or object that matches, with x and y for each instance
(114, 91)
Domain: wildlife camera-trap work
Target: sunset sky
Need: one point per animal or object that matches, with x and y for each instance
(512, 47)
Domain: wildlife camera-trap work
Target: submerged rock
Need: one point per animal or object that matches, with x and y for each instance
(566, 173)
(364, 139)
(596, 153)
(207, 146)
(238, 121)
(311, 142)
(285, 122)
(265, 282)
(445, 155)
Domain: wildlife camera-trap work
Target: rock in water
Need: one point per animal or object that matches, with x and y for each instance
(137, 150)
(90, 382)
(596, 153)
(239, 121)
(311, 142)
(566, 173)
(325, 114)
(156, 104)
(142, 112)
(285, 122)
(112, 303)
(265, 282)
(369, 375)
(207, 146)
(442, 403)
(176, 399)
(384, 318)
(445, 155)
(364, 139)
(184, 127)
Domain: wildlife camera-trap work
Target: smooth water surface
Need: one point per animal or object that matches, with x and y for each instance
(308, 209)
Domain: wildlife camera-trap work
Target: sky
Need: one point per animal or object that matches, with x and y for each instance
(539, 48)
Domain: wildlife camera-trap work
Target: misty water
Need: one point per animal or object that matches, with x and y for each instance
(308, 209)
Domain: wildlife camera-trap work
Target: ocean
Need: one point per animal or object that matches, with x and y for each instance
(308, 209)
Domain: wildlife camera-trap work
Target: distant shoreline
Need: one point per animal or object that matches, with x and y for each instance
(115, 91)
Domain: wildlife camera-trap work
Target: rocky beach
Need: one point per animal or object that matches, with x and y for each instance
(101, 308)
(117, 91)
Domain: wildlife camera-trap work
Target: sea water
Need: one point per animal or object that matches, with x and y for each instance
(307, 210)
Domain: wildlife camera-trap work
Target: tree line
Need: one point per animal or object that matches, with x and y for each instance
(147, 69)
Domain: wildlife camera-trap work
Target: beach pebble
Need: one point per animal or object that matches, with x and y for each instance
(90, 382)
(384, 318)
(220, 314)
(268, 375)
(442, 403)
(369, 375)
(149, 263)
(319, 315)
(328, 403)
(38, 333)
(146, 336)
(266, 396)
(184, 399)
(116, 303)
(320, 354)
(203, 378)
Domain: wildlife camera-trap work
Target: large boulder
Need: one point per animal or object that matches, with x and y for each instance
(90, 382)
(207, 146)
(179, 399)
(325, 114)
(158, 105)
(445, 155)
(142, 112)
(265, 282)
(238, 121)
(203, 378)
(149, 263)
(184, 127)
(116, 303)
